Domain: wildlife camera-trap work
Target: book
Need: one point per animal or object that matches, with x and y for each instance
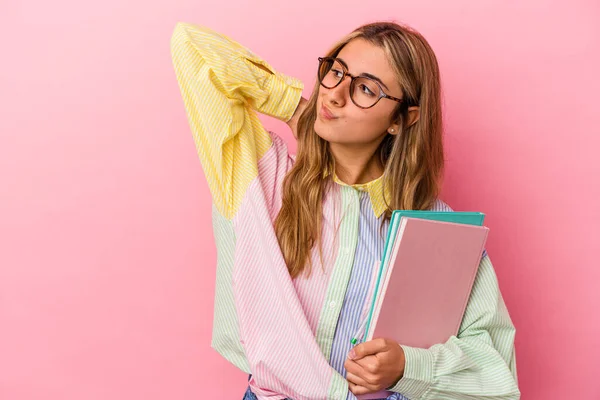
(460, 217)
(425, 279)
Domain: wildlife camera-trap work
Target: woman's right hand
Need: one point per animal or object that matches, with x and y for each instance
(293, 122)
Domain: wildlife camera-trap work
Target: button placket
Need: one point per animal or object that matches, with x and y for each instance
(342, 270)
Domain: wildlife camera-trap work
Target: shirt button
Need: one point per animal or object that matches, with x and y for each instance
(336, 394)
(332, 304)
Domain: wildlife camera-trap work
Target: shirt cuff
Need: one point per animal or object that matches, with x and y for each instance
(338, 390)
(285, 93)
(418, 373)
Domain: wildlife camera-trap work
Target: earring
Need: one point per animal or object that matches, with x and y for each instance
(392, 130)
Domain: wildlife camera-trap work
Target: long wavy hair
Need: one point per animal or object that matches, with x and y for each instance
(413, 159)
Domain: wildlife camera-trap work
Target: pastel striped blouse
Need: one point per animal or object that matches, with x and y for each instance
(293, 335)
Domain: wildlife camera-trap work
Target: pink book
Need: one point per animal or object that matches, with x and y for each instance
(425, 288)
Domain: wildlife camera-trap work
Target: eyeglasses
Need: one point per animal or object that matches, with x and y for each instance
(364, 91)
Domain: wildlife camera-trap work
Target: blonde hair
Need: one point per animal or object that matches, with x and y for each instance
(413, 158)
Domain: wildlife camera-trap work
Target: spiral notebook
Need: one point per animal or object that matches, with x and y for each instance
(424, 283)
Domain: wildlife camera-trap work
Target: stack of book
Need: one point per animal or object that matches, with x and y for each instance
(424, 278)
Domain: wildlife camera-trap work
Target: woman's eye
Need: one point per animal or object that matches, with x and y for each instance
(337, 73)
(366, 90)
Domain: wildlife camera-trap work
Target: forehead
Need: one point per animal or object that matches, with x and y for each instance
(364, 57)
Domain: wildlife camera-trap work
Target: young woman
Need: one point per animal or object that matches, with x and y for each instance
(297, 237)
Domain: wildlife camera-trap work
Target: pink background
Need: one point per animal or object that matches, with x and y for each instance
(107, 259)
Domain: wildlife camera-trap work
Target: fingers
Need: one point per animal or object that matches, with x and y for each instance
(369, 348)
(358, 390)
(364, 367)
(363, 373)
(358, 385)
(356, 380)
(371, 366)
(354, 368)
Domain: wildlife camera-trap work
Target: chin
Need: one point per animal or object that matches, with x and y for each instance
(325, 132)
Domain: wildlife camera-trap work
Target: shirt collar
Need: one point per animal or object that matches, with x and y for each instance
(375, 188)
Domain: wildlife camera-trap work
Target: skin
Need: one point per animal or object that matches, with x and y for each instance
(354, 136)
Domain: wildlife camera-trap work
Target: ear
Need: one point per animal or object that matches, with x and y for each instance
(414, 114)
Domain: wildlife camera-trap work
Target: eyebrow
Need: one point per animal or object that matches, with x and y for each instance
(365, 74)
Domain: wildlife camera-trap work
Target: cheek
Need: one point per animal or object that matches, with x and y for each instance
(367, 125)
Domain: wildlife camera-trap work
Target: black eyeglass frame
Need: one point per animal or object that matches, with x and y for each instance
(382, 94)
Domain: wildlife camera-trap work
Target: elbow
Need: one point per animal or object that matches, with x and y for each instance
(178, 37)
(516, 395)
(512, 391)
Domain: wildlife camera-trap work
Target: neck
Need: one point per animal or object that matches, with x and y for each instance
(356, 164)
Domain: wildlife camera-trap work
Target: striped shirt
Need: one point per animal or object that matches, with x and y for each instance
(293, 335)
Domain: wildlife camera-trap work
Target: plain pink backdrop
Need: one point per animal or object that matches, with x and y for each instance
(107, 259)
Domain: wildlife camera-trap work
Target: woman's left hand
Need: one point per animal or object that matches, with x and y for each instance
(293, 122)
(374, 365)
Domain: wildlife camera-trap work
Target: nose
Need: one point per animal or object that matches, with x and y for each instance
(338, 96)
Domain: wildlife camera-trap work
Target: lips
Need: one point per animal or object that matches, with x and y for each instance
(326, 114)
